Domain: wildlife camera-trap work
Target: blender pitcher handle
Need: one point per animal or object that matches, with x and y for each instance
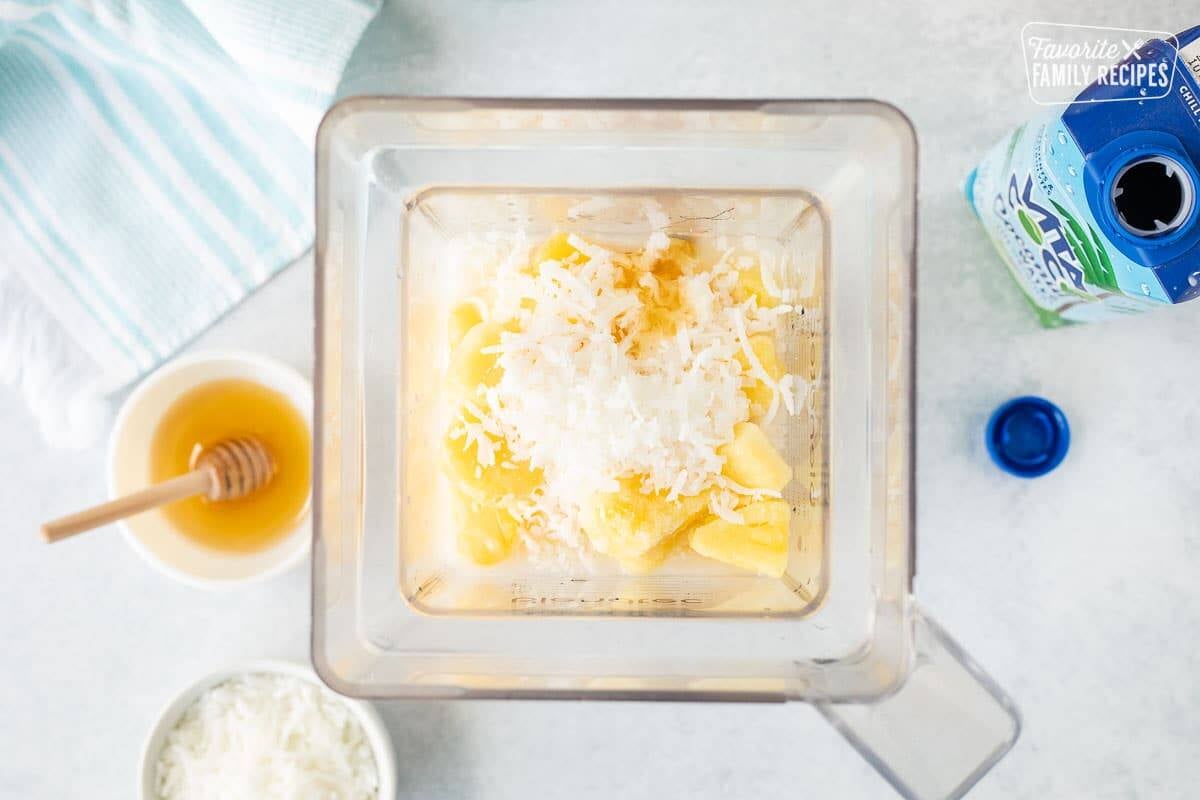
(942, 730)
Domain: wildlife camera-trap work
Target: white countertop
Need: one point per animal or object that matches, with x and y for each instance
(1079, 592)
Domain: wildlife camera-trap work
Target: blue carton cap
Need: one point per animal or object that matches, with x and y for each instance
(1028, 436)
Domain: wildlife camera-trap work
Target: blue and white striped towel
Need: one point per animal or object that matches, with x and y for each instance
(155, 168)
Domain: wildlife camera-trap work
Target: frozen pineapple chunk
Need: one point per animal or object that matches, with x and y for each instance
(557, 248)
(759, 393)
(486, 533)
(760, 545)
(751, 460)
(627, 523)
(766, 511)
(470, 367)
(750, 284)
(650, 560)
(463, 317)
(499, 478)
(678, 259)
(653, 558)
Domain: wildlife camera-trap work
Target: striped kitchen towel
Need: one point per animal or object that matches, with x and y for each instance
(155, 168)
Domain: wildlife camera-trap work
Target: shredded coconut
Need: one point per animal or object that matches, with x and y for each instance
(591, 392)
(263, 735)
(722, 503)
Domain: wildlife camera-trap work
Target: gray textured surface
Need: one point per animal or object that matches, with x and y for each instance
(1078, 591)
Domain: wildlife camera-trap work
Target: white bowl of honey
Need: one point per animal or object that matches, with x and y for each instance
(190, 404)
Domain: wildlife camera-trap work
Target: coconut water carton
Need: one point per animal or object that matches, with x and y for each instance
(1094, 207)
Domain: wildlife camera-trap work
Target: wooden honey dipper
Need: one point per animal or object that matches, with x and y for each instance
(228, 470)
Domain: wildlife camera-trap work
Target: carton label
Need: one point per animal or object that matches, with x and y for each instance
(1029, 194)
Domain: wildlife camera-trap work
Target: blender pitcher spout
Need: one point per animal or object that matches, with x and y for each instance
(936, 735)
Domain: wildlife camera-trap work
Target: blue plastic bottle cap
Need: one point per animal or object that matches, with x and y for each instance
(1028, 436)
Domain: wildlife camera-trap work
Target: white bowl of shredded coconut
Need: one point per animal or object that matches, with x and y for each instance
(267, 729)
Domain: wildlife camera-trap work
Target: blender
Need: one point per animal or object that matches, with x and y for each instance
(830, 188)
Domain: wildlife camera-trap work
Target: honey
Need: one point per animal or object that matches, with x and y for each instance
(222, 410)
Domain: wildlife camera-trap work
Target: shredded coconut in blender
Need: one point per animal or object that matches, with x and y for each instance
(594, 387)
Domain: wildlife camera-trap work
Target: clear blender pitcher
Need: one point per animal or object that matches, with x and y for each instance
(830, 186)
